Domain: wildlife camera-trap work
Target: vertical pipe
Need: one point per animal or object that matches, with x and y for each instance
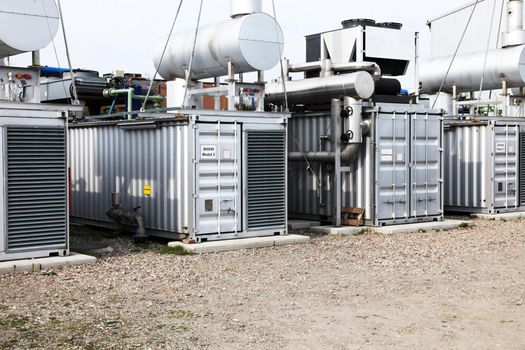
(35, 55)
(355, 118)
(336, 119)
(130, 103)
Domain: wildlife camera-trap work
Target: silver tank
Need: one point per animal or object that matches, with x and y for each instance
(253, 42)
(467, 71)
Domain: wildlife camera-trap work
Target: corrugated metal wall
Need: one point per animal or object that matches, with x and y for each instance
(106, 159)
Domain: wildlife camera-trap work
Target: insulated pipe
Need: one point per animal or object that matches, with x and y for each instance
(350, 150)
(501, 65)
(371, 67)
(359, 85)
(515, 34)
(130, 92)
(244, 7)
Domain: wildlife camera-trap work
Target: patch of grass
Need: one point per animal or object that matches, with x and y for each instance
(464, 225)
(181, 314)
(360, 233)
(163, 249)
(14, 321)
(49, 273)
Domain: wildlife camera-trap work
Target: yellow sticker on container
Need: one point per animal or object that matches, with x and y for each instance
(147, 190)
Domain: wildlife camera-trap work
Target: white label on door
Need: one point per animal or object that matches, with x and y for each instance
(500, 147)
(387, 155)
(227, 154)
(400, 157)
(208, 151)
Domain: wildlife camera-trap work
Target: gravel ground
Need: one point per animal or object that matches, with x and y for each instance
(456, 289)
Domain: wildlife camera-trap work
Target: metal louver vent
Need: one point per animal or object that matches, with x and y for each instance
(266, 179)
(36, 188)
(522, 168)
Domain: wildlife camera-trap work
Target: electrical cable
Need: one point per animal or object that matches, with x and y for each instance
(190, 66)
(143, 108)
(456, 53)
(283, 80)
(487, 50)
(75, 94)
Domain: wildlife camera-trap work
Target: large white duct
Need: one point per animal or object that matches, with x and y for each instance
(253, 42)
(359, 85)
(467, 71)
(26, 25)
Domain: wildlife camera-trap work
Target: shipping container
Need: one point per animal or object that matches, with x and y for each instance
(396, 176)
(485, 165)
(193, 174)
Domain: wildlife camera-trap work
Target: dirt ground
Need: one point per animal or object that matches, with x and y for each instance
(462, 289)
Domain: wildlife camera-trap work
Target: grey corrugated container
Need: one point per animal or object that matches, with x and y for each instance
(397, 176)
(33, 173)
(485, 165)
(176, 157)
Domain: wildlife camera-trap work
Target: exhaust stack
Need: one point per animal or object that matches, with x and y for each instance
(244, 7)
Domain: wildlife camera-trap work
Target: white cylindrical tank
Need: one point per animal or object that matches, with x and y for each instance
(515, 35)
(467, 70)
(251, 43)
(244, 7)
(26, 25)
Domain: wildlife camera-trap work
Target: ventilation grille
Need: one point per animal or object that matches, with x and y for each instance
(36, 189)
(522, 168)
(266, 180)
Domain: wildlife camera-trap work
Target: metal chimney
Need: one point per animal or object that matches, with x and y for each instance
(244, 7)
(515, 35)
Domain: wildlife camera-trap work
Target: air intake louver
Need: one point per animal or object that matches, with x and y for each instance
(266, 180)
(36, 188)
(522, 168)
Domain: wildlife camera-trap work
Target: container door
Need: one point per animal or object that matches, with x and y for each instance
(506, 140)
(218, 174)
(392, 169)
(426, 165)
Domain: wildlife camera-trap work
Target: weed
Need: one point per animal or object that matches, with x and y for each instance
(14, 321)
(164, 249)
(464, 225)
(180, 314)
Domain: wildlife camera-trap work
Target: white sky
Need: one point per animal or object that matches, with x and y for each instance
(105, 35)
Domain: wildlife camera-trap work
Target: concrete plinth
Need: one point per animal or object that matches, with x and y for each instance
(239, 244)
(342, 231)
(520, 215)
(423, 227)
(36, 265)
(302, 224)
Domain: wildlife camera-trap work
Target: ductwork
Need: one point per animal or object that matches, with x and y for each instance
(359, 85)
(328, 68)
(356, 127)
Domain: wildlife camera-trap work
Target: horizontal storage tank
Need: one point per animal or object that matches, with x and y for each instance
(27, 25)
(33, 174)
(467, 71)
(395, 176)
(253, 42)
(196, 175)
(485, 165)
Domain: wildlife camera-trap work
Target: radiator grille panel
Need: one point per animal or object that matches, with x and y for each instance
(266, 180)
(522, 168)
(36, 188)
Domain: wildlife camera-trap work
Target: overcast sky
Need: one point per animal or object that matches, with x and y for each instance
(105, 35)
